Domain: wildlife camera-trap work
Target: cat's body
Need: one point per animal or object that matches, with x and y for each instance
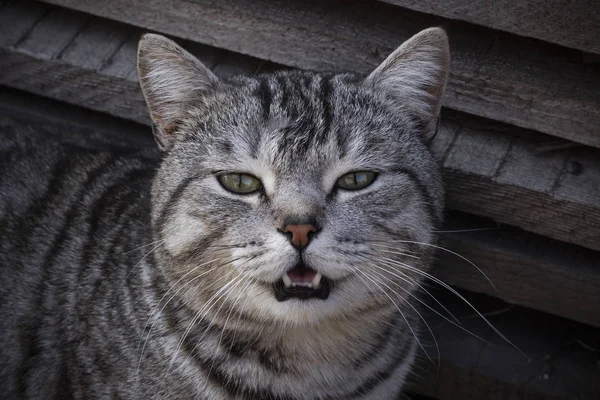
(126, 274)
(80, 334)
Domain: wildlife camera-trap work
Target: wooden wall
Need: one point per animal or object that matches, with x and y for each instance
(519, 144)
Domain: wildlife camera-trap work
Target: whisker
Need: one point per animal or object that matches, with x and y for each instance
(418, 313)
(227, 319)
(444, 249)
(461, 297)
(458, 324)
(409, 280)
(156, 314)
(467, 230)
(207, 306)
(145, 245)
(152, 313)
(139, 262)
(401, 313)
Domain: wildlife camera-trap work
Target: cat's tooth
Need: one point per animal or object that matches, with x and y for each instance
(317, 279)
(287, 281)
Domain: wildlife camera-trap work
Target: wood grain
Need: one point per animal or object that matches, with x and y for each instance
(516, 80)
(490, 169)
(570, 24)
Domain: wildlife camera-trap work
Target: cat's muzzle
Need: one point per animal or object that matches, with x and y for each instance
(302, 282)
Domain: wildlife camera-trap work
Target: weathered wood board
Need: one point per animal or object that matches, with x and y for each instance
(570, 24)
(490, 169)
(561, 366)
(502, 172)
(561, 359)
(499, 76)
(525, 269)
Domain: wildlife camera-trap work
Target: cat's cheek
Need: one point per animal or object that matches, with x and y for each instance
(182, 232)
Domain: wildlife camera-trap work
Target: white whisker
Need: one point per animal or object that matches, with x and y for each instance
(443, 249)
(402, 314)
(453, 291)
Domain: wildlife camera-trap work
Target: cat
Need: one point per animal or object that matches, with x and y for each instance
(272, 247)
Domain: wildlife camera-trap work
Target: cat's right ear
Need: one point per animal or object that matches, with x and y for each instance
(170, 78)
(414, 76)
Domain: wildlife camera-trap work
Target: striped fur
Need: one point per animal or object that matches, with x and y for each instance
(131, 274)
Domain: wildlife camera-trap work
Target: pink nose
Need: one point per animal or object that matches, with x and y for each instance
(300, 233)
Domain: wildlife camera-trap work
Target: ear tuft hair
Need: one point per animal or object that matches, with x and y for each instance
(414, 75)
(170, 78)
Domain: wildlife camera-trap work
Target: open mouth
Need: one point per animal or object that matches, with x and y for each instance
(302, 282)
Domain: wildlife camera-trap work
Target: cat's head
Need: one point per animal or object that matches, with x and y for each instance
(295, 196)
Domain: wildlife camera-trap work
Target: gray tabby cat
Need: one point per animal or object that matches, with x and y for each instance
(273, 250)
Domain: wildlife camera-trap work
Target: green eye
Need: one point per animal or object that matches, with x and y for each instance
(356, 180)
(239, 183)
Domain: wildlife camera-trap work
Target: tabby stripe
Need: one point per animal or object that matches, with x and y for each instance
(384, 373)
(124, 208)
(307, 125)
(377, 347)
(109, 198)
(436, 220)
(38, 206)
(231, 343)
(127, 204)
(169, 206)
(235, 386)
(198, 248)
(284, 102)
(325, 95)
(32, 335)
(264, 94)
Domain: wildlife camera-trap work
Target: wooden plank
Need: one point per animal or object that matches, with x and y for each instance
(495, 75)
(96, 44)
(68, 56)
(504, 177)
(71, 119)
(17, 21)
(120, 65)
(525, 269)
(573, 24)
(490, 169)
(562, 355)
(56, 30)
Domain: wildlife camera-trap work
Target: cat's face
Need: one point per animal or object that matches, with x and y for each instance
(295, 196)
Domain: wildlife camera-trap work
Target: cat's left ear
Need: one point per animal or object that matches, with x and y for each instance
(414, 76)
(171, 78)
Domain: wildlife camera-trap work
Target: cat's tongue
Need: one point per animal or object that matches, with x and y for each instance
(302, 274)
